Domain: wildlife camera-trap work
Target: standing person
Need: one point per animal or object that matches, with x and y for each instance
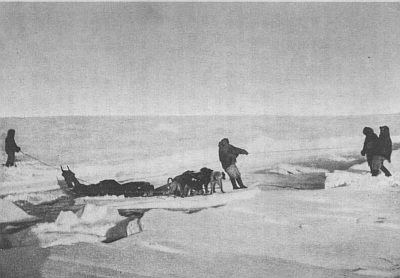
(370, 139)
(227, 156)
(382, 150)
(11, 148)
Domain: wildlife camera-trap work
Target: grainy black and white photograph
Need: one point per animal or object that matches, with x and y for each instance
(199, 139)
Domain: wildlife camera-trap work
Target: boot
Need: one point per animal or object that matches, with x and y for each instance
(239, 180)
(386, 171)
(375, 173)
(234, 183)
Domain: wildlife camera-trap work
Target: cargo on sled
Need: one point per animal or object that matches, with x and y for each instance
(105, 187)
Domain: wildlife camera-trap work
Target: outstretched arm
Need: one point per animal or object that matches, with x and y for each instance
(238, 151)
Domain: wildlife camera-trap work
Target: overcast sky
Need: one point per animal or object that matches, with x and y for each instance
(199, 58)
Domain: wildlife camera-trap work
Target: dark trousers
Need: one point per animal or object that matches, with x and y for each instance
(369, 160)
(10, 159)
(377, 164)
(239, 180)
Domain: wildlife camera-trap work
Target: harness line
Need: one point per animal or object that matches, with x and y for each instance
(54, 167)
(38, 160)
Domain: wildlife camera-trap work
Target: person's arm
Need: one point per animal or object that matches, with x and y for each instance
(16, 148)
(238, 151)
(364, 150)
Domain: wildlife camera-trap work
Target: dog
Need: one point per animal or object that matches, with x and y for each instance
(216, 178)
(183, 184)
(175, 187)
(195, 187)
(191, 182)
(205, 177)
(208, 176)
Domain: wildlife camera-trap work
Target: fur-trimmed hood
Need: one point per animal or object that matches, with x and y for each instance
(383, 146)
(384, 131)
(11, 133)
(223, 142)
(367, 131)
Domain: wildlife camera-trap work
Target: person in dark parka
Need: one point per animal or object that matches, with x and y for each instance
(370, 139)
(382, 150)
(227, 155)
(11, 148)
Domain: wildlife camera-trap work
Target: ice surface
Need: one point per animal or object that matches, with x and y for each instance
(286, 169)
(91, 224)
(11, 213)
(364, 180)
(351, 225)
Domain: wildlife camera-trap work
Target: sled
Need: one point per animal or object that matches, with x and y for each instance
(105, 187)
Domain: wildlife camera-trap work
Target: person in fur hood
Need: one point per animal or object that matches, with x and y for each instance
(370, 139)
(381, 151)
(227, 155)
(11, 148)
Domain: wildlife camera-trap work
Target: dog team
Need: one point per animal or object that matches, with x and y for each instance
(191, 182)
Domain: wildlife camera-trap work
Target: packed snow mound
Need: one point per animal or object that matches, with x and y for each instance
(362, 181)
(359, 176)
(29, 176)
(11, 213)
(92, 219)
(28, 170)
(287, 169)
(99, 216)
(91, 224)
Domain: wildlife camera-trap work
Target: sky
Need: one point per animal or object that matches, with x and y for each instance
(199, 58)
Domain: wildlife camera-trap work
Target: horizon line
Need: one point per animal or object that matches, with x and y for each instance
(204, 115)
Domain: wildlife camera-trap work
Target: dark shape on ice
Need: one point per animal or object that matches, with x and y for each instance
(369, 142)
(11, 148)
(106, 187)
(121, 229)
(227, 156)
(381, 151)
(183, 184)
(191, 182)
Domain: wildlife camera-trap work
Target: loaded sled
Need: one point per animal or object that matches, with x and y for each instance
(105, 187)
